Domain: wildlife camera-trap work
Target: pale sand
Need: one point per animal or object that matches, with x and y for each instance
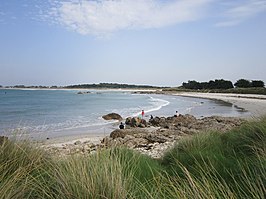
(255, 104)
(62, 141)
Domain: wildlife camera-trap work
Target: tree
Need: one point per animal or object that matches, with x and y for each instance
(242, 83)
(217, 84)
(257, 83)
(192, 85)
(222, 84)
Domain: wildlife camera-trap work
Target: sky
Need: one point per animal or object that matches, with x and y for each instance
(151, 42)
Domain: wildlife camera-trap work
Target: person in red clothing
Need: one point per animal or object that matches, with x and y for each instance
(142, 113)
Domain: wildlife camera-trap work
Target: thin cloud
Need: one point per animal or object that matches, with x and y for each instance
(103, 17)
(242, 12)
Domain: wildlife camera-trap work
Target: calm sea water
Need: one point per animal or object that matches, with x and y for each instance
(55, 113)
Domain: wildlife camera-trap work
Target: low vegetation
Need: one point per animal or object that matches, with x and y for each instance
(111, 86)
(206, 165)
(222, 84)
(258, 91)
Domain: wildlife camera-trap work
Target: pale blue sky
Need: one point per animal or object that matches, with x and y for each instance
(154, 42)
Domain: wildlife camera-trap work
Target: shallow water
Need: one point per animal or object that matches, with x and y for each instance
(55, 113)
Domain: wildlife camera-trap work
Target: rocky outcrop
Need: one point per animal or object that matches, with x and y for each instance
(136, 122)
(118, 133)
(162, 134)
(83, 92)
(164, 131)
(112, 116)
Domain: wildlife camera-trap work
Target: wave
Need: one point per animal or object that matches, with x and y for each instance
(94, 119)
(29, 128)
(153, 104)
(158, 104)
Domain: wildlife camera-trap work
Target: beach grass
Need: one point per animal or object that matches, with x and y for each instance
(205, 165)
(25, 171)
(235, 161)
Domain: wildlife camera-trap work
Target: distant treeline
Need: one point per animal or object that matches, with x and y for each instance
(23, 86)
(90, 86)
(111, 85)
(222, 84)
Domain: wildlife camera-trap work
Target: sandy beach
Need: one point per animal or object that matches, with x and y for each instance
(255, 104)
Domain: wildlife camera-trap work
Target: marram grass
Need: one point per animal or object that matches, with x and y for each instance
(207, 165)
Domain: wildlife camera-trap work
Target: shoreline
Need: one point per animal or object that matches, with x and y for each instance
(254, 104)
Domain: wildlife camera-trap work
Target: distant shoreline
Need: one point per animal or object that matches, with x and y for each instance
(86, 89)
(255, 104)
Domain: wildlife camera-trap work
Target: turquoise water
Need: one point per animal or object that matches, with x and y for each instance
(55, 113)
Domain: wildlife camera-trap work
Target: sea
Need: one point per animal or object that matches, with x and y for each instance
(44, 114)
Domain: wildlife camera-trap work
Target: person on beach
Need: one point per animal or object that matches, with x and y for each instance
(176, 114)
(151, 117)
(142, 113)
(121, 126)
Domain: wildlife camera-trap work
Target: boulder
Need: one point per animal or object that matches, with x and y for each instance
(77, 143)
(155, 121)
(128, 121)
(84, 92)
(112, 116)
(118, 133)
(136, 122)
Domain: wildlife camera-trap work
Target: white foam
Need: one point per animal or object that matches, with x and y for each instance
(156, 103)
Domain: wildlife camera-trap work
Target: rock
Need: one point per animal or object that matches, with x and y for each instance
(156, 138)
(85, 92)
(118, 133)
(155, 121)
(77, 143)
(136, 142)
(112, 116)
(128, 138)
(106, 140)
(128, 121)
(152, 141)
(141, 126)
(136, 122)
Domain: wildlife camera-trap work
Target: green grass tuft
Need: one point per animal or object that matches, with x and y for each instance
(206, 165)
